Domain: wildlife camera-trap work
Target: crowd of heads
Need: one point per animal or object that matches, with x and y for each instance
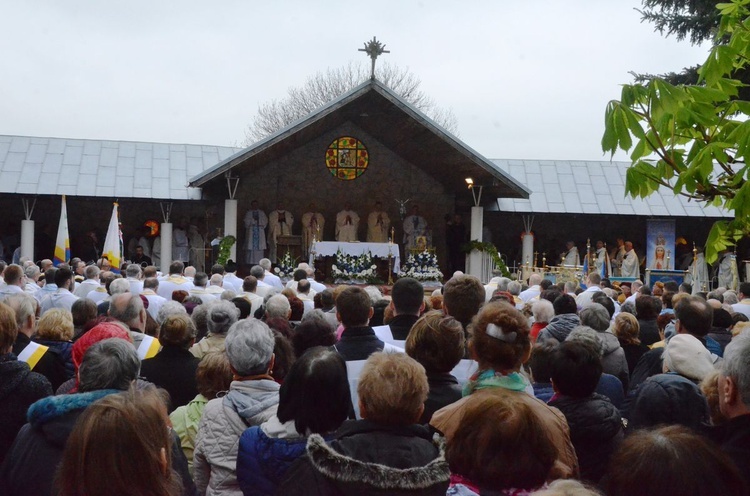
(285, 360)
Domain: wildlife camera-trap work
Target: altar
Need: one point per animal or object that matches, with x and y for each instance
(380, 250)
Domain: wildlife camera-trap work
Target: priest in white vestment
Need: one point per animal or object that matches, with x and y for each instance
(630, 264)
(378, 224)
(603, 267)
(618, 255)
(414, 226)
(197, 248)
(725, 276)
(698, 274)
(347, 223)
(180, 244)
(571, 255)
(279, 224)
(312, 228)
(255, 225)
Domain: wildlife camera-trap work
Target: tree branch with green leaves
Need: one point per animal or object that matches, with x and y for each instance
(693, 139)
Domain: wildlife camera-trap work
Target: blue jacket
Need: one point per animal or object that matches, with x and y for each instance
(263, 461)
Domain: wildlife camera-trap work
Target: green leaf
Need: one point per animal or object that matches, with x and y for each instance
(621, 128)
(609, 139)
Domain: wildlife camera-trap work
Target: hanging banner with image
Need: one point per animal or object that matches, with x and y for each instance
(660, 243)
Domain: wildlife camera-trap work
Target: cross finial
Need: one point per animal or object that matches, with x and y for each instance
(373, 49)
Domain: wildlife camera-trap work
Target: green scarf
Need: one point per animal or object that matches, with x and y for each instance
(491, 379)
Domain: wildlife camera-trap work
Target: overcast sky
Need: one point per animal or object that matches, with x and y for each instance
(526, 79)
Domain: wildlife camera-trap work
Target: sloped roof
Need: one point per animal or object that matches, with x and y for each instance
(81, 167)
(383, 114)
(572, 187)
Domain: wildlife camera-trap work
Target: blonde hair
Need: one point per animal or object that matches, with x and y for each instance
(677, 297)
(626, 328)
(739, 328)
(392, 388)
(56, 324)
(710, 389)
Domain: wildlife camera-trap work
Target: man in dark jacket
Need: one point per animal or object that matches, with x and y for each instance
(595, 423)
(565, 319)
(384, 453)
(734, 402)
(437, 343)
(407, 303)
(354, 310)
(109, 367)
(19, 386)
(174, 367)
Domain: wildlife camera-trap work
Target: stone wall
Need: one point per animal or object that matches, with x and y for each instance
(301, 177)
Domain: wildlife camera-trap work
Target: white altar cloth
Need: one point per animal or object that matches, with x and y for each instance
(381, 250)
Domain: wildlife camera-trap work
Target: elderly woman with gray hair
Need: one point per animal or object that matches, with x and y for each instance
(108, 367)
(252, 399)
(220, 317)
(614, 362)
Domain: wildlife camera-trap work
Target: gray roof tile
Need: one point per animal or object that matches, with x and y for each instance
(35, 154)
(160, 168)
(581, 175)
(14, 162)
(33, 165)
(592, 187)
(89, 164)
(26, 188)
(127, 150)
(66, 189)
(125, 166)
(106, 177)
(4, 147)
(69, 175)
(92, 148)
(73, 155)
(30, 175)
(87, 185)
(20, 145)
(52, 164)
(108, 157)
(10, 179)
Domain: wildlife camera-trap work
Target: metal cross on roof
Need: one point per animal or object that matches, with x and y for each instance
(373, 49)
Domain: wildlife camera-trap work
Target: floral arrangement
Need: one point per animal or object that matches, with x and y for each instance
(354, 268)
(422, 266)
(285, 266)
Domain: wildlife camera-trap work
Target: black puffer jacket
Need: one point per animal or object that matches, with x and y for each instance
(19, 388)
(595, 430)
(558, 328)
(367, 459)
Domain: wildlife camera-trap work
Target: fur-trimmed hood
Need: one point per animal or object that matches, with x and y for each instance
(342, 469)
(55, 416)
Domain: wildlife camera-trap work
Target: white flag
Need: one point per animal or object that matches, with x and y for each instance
(112, 247)
(62, 245)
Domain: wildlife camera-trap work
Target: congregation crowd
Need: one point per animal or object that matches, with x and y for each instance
(190, 382)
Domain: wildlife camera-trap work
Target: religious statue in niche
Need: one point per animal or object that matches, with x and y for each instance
(347, 158)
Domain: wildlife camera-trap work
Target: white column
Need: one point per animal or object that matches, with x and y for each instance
(527, 249)
(230, 224)
(166, 246)
(474, 265)
(27, 239)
